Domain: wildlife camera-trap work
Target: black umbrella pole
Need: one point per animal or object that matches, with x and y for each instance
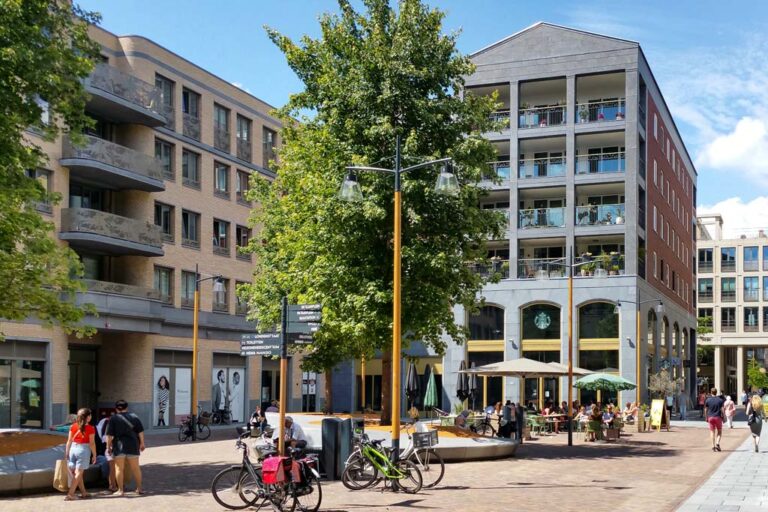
(570, 431)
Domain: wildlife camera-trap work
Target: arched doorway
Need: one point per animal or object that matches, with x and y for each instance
(540, 340)
(675, 355)
(486, 346)
(598, 345)
(650, 353)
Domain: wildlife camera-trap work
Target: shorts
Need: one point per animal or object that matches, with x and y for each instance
(79, 456)
(715, 423)
(125, 455)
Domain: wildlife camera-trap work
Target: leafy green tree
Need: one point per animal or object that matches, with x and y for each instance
(756, 375)
(45, 52)
(370, 77)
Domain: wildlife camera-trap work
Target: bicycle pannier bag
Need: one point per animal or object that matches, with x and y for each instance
(272, 470)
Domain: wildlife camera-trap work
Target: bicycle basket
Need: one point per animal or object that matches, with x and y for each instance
(425, 439)
(205, 418)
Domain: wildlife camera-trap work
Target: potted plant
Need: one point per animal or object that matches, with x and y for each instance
(583, 113)
(605, 261)
(619, 115)
(590, 267)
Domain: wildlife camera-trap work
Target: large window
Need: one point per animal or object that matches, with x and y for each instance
(597, 320)
(220, 237)
(164, 153)
(705, 260)
(243, 138)
(541, 322)
(220, 127)
(765, 257)
(269, 141)
(728, 289)
(241, 186)
(242, 237)
(728, 319)
(164, 283)
(221, 299)
(751, 322)
(751, 262)
(190, 103)
(488, 324)
(599, 360)
(241, 305)
(705, 290)
(221, 179)
(187, 288)
(751, 289)
(43, 177)
(190, 168)
(728, 259)
(190, 228)
(22, 385)
(164, 219)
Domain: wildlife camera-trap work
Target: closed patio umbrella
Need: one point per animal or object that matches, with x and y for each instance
(412, 384)
(473, 389)
(462, 383)
(430, 395)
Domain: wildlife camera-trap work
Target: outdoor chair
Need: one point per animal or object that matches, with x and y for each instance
(539, 424)
(593, 426)
(618, 424)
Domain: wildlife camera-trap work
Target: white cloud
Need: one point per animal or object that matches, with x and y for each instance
(744, 149)
(740, 217)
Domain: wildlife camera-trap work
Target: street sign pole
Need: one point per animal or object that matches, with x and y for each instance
(283, 375)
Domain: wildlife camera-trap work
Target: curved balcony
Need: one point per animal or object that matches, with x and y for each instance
(123, 98)
(108, 233)
(113, 165)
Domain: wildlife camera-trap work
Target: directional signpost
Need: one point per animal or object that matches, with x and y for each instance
(264, 344)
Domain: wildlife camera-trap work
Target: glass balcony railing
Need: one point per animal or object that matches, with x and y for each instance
(601, 163)
(598, 111)
(600, 265)
(107, 232)
(491, 268)
(705, 267)
(191, 127)
(540, 268)
(541, 117)
(501, 116)
(499, 170)
(600, 215)
(221, 138)
(728, 266)
(728, 296)
(705, 296)
(541, 168)
(542, 218)
(751, 295)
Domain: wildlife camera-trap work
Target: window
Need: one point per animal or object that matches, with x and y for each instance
(220, 127)
(190, 228)
(751, 289)
(165, 86)
(655, 174)
(221, 179)
(241, 186)
(243, 138)
(728, 289)
(707, 314)
(220, 237)
(728, 259)
(661, 227)
(164, 283)
(242, 237)
(751, 322)
(597, 320)
(221, 299)
(655, 266)
(663, 271)
(164, 152)
(241, 305)
(45, 112)
(654, 218)
(187, 289)
(488, 324)
(164, 219)
(765, 318)
(190, 168)
(674, 281)
(667, 150)
(765, 257)
(728, 319)
(269, 141)
(43, 177)
(190, 103)
(655, 127)
(751, 263)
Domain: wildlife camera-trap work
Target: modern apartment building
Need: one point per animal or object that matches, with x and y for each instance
(733, 292)
(589, 166)
(155, 194)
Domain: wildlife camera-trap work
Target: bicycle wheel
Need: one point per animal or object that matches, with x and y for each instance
(485, 429)
(431, 465)
(280, 498)
(182, 433)
(359, 474)
(203, 432)
(307, 497)
(227, 488)
(411, 480)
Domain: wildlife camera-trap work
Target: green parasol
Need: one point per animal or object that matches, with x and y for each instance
(430, 395)
(603, 382)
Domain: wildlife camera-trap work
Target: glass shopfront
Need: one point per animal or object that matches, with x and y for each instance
(22, 384)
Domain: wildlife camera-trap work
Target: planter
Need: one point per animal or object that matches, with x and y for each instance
(583, 272)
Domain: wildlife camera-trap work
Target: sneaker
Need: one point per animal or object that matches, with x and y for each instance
(714, 449)
(717, 447)
(756, 450)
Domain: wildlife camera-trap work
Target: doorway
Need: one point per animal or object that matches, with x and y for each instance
(82, 379)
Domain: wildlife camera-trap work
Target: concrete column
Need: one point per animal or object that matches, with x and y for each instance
(512, 346)
(454, 355)
(719, 368)
(740, 373)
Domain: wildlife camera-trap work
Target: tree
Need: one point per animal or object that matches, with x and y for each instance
(368, 78)
(662, 384)
(45, 52)
(756, 375)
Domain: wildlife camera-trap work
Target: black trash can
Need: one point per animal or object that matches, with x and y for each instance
(329, 429)
(344, 444)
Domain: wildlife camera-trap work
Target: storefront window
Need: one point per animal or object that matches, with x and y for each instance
(172, 387)
(228, 385)
(488, 324)
(541, 322)
(597, 320)
(21, 393)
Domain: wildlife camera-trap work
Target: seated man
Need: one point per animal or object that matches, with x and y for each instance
(294, 435)
(608, 415)
(461, 420)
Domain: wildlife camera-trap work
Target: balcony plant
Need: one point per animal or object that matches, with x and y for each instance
(583, 114)
(585, 268)
(605, 261)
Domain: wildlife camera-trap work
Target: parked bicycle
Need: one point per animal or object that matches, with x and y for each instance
(370, 459)
(484, 426)
(203, 430)
(222, 417)
(420, 452)
(243, 486)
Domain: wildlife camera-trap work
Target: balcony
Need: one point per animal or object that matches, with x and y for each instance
(498, 171)
(705, 267)
(221, 138)
(601, 265)
(112, 165)
(751, 295)
(600, 111)
(501, 116)
(705, 297)
(244, 150)
(600, 215)
(728, 296)
(542, 218)
(751, 328)
(541, 117)
(751, 265)
(540, 268)
(728, 266)
(103, 232)
(601, 163)
(123, 98)
(121, 289)
(170, 116)
(552, 167)
(191, 126)
(728, 325)
(491, 268)
(123, 307)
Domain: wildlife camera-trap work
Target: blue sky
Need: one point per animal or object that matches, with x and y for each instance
(710, 59)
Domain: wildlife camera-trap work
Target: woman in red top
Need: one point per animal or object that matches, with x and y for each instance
(80, 452)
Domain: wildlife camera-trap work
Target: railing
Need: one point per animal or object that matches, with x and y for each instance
(541, 167)
(728, 266)
(121, 289)
(501, 115)
(170, 115)
(728, 325)
(600, 163)
(540, 268)
(221, 138)
(191, 126)
(85, 220)
(598, 111)
(541, 117)
(241, 308)
(244, 150)
(751, 295)
(641, 113)
(728, 296)
(103, 151)
(542, 218)
(751, 265)
(499, 170)
(221, 307)
(599, 265)
(600, 215)
(751, 328)
(705, 267)
(705, 296)
(134, 90)
(221, 250)
(491, 268)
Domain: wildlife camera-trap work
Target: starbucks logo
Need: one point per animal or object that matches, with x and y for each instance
(542, 320)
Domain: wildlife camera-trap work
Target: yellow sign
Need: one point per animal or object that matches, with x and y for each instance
(657, 413)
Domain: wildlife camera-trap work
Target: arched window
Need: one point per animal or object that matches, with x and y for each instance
(488, 324)
(541, 322)
(676, 345)
(652, 320)
(598, 320)
(663, 354)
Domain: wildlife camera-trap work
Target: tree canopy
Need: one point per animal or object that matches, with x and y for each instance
(45, 52)
(369, 77)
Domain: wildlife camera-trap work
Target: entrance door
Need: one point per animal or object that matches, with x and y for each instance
(270, 380)
(82, 379)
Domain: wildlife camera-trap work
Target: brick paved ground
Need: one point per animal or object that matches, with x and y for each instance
(643, 472)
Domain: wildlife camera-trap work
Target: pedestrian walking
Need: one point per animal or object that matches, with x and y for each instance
(682, 402)
(700, 402)
(80, 452)
(755, 419)
(714, 407)
(729, 410)
(125, 442)
(744, 398)
(520, 420)
(101, 431)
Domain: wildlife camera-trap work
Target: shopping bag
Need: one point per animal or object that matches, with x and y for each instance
(61, 476)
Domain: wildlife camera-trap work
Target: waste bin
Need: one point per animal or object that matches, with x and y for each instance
(344, 444)
(329, 429)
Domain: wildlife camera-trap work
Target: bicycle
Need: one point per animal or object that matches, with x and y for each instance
(370, 459)
(484, 427)
(420, 452)
(222, 416)
(203, 430)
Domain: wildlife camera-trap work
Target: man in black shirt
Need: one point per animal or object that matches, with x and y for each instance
(125, 442)
(714, 407)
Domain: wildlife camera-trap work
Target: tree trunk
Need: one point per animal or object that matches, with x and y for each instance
(328, 390)
(386, 386)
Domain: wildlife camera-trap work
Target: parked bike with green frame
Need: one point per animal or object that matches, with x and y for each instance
(371, 462)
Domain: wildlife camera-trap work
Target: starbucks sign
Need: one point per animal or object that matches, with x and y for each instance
(542, 320)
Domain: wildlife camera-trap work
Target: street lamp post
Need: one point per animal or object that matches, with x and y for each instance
(447, 184)
(218, 287)
(659, 311)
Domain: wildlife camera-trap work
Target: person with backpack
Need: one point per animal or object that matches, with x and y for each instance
(80, 452)
(755, 419)
(125, 442)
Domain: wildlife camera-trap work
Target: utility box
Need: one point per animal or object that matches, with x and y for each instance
(329, 429)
